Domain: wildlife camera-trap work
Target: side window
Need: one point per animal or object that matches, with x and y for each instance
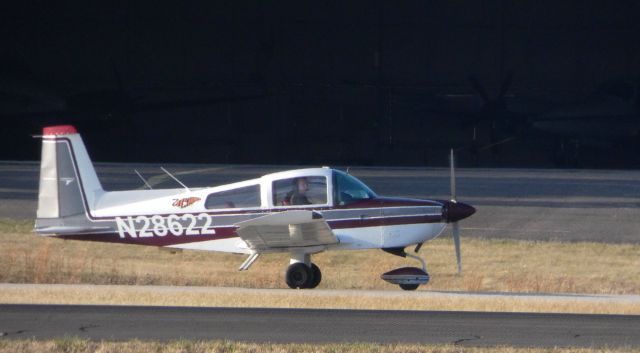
(248, 196)
(311, 190)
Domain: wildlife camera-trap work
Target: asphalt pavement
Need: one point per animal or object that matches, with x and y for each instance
(532, 204)
(315, 326)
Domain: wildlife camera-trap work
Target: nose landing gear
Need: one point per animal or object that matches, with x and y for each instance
(408, 278)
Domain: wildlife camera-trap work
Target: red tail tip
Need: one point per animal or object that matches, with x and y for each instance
(59, 130)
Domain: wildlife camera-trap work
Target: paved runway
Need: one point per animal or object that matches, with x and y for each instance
(303, 325)
(567, 205)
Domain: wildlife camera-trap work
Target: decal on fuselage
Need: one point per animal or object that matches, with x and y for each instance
(185, 202)
(159, 226)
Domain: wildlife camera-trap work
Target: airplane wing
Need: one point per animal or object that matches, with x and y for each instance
(284, 230)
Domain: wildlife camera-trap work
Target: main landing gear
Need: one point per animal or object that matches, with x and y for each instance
(302, 273)
(302, 276)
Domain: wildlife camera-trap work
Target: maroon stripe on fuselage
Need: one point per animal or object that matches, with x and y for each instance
(382, 221)
(155, 240)
(381, 202)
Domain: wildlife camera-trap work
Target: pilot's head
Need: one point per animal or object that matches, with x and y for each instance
(301, 185)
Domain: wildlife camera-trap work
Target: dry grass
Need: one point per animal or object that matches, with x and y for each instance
(233, 297)
(75, 345)
(489, 265)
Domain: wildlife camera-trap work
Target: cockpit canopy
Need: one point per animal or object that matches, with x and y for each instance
(317, 187)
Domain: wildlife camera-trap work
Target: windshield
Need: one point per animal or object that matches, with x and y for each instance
(348, 189)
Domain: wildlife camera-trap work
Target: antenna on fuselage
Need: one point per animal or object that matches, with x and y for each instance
(174, 178)
(143, 179)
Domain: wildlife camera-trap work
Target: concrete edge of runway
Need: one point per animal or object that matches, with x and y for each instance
(576, 297)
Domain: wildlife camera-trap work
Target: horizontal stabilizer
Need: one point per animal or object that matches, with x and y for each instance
(66, 230)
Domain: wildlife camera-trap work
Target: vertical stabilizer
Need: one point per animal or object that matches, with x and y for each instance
(69, 185)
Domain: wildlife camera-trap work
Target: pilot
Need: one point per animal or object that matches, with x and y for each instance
(298, 196)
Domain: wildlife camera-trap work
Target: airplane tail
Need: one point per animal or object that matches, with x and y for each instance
(69, 186)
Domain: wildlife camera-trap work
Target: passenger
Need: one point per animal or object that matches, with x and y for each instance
(298, 196)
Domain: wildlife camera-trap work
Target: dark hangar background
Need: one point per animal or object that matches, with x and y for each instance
(505, 83)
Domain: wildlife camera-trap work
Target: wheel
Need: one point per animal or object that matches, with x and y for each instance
(298, 275)
(409, 286)
(317, 276)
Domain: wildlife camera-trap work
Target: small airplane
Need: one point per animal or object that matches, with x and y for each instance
(301, 212)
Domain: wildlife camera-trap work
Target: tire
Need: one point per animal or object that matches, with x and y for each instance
(316, 278)
(409, 286)
(298, 275)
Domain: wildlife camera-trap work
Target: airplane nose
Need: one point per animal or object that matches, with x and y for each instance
(455, 211)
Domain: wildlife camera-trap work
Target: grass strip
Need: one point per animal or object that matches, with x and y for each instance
(77, 345)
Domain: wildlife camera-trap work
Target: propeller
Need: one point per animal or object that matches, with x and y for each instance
(455, 230)
(454, 211)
